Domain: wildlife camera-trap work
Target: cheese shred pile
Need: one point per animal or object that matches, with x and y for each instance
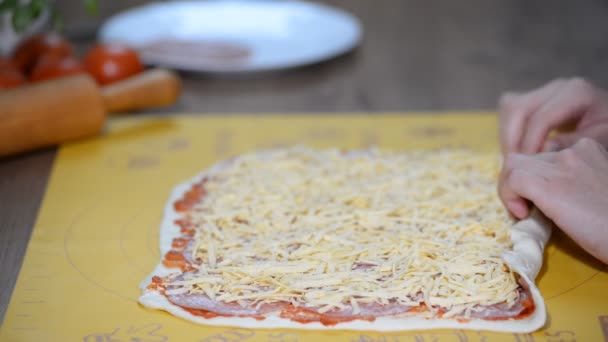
(331, 230)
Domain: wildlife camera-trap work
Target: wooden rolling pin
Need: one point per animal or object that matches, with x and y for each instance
(52, 112)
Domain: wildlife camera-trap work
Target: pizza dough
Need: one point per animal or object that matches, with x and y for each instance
(524, 258)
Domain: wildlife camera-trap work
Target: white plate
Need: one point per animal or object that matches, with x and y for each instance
(234, 35)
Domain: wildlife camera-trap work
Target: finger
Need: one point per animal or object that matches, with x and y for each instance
(553, 145)
(521, 179)
(516, 205)
(569, 104)
(515, 110)
(512, 118)
(590, 151)
(561, 141)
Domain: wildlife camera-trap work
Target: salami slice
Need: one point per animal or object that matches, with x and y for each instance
(203, 302)
(371, 310)
(502, 310)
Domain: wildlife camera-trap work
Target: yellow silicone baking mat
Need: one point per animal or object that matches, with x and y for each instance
(96, 236)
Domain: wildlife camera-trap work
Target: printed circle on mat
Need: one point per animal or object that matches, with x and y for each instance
(117, 258)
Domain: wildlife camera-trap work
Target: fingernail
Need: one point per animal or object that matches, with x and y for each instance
(519, 209)
(552, 146)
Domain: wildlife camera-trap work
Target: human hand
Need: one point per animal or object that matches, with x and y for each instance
(570, 187)
(526, 120)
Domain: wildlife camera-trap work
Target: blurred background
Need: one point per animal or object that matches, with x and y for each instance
(415, 55)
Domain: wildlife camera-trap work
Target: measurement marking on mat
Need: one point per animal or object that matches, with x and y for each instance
(148, 332)
(523, 337)
(22, 315)
(33, 301)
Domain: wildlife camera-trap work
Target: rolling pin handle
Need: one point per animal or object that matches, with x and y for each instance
(46, 113)
(152, 88)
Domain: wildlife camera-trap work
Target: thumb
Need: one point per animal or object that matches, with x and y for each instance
(561, 141)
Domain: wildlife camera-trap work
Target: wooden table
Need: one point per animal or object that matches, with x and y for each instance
(416, 55)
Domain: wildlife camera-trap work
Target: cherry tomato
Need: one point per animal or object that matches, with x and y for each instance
(28, 52)
(51, 66)
(111, 63)
(10, 77)
(5, 62)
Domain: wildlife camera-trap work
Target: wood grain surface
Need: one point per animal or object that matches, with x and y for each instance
(416, 55)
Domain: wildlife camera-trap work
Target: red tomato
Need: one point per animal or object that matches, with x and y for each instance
(111, 63)
(5, 62)
(10, 77)
(28, 52)
(51, 66)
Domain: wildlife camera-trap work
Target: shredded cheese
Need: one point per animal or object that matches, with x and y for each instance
(327, 229)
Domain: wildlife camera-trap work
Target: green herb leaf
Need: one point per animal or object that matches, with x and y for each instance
(22, 18)
(57, 21)
(38, 6)
(91, 6)
(7, 5)
(23, 15)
